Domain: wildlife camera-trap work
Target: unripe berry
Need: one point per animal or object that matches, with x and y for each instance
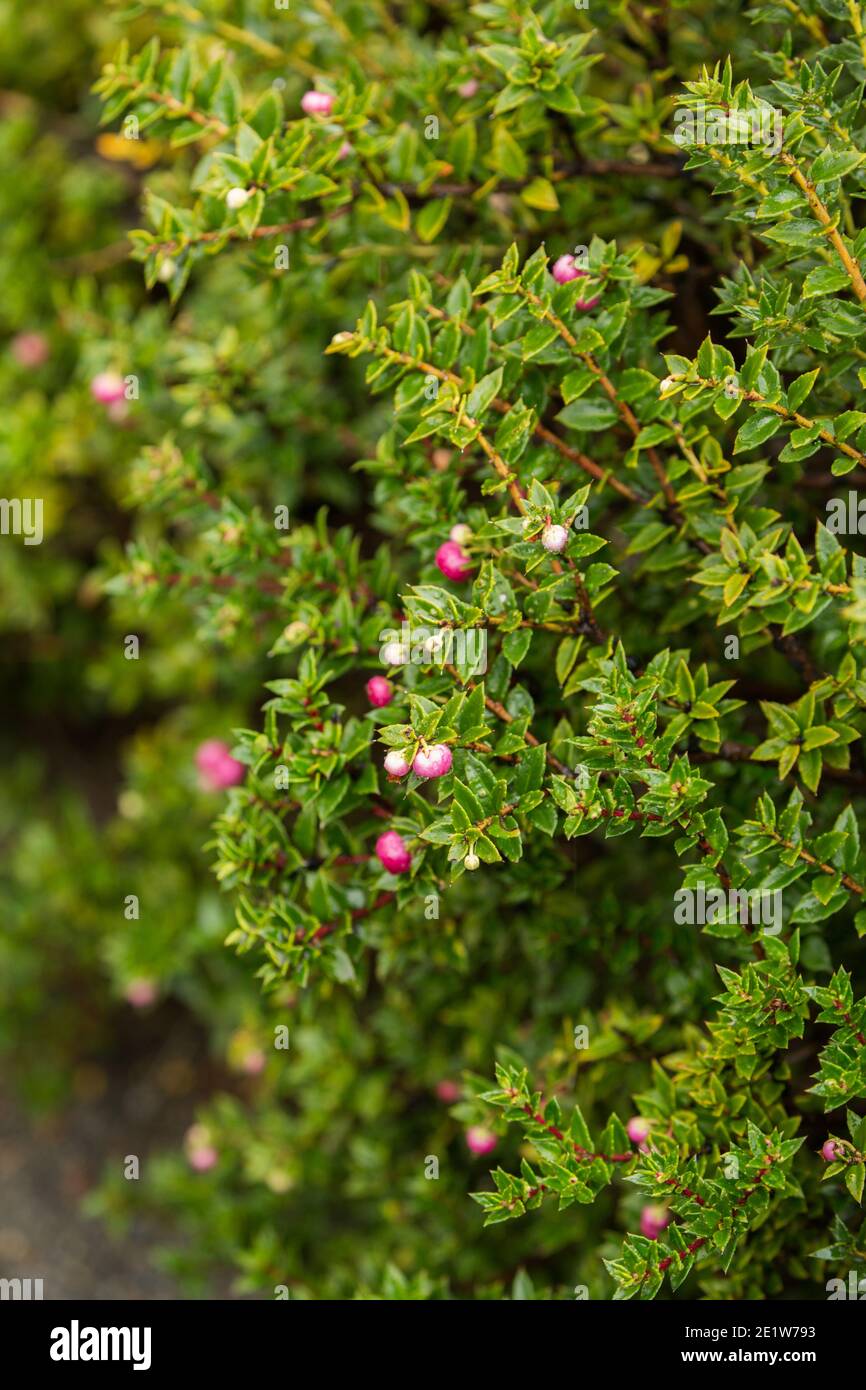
(393, 853)
(434, 762)
(480, 1140)
(395, 764)
(167, 270)
(217, 768)
(471, 861)
(317, 103)
(107, 387)
(237, 198)
(452, 561)
(140, 993)
(653, 1219)
(637, 1129)
(460, 533)
(554, 539)
(30, 349)
(828, 1150)
(379, 691)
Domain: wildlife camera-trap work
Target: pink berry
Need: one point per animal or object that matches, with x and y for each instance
(217, 768)
(317, 103)
(395, 764)
(554, 539)
(140, 993)
(379, 691)
(828, 1150)
(107, 387)
(30, 349)
(564, 270)
(435, 762)
(204, 1158)
(393, 853)
(345, 150)
(452, 561)
(254, 1062)
(480, 1140)
(637, 1129)
(448, 1091)
(460, 533)
(467, 89)
(653, 1220)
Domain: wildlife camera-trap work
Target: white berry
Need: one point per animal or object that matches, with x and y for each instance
(236, 198)
(471, 861)
(554, 539)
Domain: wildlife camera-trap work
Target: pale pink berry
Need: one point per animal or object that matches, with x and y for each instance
(480, 1140)
(30, 349)
(468, 89)
(317, 103)
(140, 993)
(107, 387)
(828, 1150)
(118, 412)
(554, 539)
(653, 1219)
(393, 852)
(452, 561)
(200, 1160)
(448, 1091)
(345, 150)
(637, 1129)
(460, 533)
(395, 764)
(433, 762)
(217, 768)
(379, 691)
(254, 1062)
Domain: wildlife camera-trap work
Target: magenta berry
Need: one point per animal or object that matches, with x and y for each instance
(379, 691)
(317, 103)
(480, 1140)
(653, 1219)
(448, 1091)
(433, 762)
(564, 270)
(30, 349)
(107, 387)
(554, 539)
(393, 852)
(829, 1151)
(217, 768)
(395, 764)
(453, 561)
(637, 1129)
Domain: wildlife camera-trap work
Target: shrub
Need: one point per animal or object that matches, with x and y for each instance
(602, 575)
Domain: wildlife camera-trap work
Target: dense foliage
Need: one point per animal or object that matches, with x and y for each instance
(489, 404)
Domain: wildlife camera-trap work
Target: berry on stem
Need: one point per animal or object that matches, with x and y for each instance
(393, 852)
(653, 1220)
(452, 561)
(829, 1150)
(433, 762)
(217, 768)
(471, 861)
(379, 691)
(637, 1129)
(480, 1140)
(236, 198)
(315, 103)
(554, 539)
(396, 765)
